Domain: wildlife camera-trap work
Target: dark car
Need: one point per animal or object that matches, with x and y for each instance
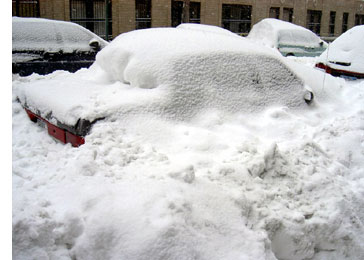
(43, 46)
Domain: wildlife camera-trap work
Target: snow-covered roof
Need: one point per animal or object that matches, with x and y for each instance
(272, 32)
(347, 49)
(38, 34)
(206, 28)
(172, 73)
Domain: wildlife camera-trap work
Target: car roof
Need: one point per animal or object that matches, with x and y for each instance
(39, 34)
(273, 32)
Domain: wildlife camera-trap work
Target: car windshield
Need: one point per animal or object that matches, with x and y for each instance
(298, 38)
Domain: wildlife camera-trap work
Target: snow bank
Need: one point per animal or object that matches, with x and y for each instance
(271, 32)
(38, 34)
(171, 73)
(348, 48)
(278, 184)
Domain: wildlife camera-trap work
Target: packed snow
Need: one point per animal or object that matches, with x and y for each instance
(280, 182)
(39, 34)
(272, 32)
(346, 52)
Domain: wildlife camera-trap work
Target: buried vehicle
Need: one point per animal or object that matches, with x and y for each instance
(43, 46)
(289, 39)
(169, 73)
(345, 55)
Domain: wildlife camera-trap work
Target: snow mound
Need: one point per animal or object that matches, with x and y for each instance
(347, 49)
(271, 32)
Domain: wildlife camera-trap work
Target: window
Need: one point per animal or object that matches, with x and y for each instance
(177, 12)
(236, 18)
(25, 8)
(94, 15)
(195, 10)
(332, 23)
(143, 14)
(359, 19)
(288, 14)
(345, 22)
(274, 12)
(314, 21)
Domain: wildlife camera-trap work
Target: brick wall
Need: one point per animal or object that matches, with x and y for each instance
(123, 12)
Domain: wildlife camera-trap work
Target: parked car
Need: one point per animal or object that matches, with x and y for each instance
(43, 46)
(169, 73)
(289, 39)
(345, 55)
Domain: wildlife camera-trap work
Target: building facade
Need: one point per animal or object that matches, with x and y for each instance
(109, 18)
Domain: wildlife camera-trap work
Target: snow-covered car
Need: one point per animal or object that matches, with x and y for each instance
(172, 73)
(289, 39)
(345, 55)
(43, 46)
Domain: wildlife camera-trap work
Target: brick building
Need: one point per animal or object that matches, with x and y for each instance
(328, 18)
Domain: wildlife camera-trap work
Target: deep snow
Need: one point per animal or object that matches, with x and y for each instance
(280, 183)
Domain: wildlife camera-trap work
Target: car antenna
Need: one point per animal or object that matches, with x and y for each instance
(327, 58)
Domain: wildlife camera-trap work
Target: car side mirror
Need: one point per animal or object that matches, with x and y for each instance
(94, 44)
(321, 44)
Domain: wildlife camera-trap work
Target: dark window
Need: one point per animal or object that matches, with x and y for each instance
(345, 22)
(332, 23)
(288, 14)
(359, 19)
(177, 12)
(314, 21)
(236, 18)
(25, 8)
(94, 15)
(143, 14)
(195, 10)
(274, 12)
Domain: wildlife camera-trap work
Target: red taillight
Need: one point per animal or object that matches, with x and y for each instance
(60, 134)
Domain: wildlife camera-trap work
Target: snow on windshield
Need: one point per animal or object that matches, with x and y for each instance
(348, 48)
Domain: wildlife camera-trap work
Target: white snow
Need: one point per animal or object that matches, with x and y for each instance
(348, 48)
(39, 34)
(272, 32)
(169, 72)
(275, 183)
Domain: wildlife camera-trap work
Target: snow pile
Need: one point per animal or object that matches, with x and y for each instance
(172, 73)
(272, 32)
(38, 34)
(346, 52)
(278, 183)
